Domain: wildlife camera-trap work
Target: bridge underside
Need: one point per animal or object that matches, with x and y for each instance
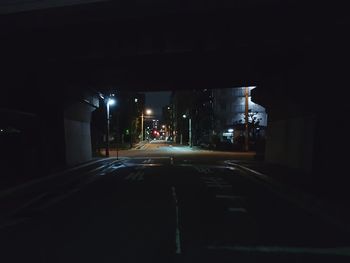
(295, 52)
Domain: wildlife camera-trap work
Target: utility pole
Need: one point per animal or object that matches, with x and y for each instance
(109, 101)
(107, 133)
(246, 137)
(190, 132)
(142, 133)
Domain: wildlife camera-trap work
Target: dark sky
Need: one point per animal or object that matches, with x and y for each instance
(156, 100)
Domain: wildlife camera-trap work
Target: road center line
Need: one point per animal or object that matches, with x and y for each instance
(177, 236)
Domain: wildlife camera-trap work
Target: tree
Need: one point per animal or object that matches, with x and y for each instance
(254, 122)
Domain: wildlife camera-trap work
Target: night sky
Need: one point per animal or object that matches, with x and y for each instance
(156, 100)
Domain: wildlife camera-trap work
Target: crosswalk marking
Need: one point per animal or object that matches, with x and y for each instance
(204, 170)
(138, 176)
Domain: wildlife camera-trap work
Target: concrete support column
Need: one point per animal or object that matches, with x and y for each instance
(77, 118)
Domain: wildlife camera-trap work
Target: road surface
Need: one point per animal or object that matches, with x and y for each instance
(165, 203)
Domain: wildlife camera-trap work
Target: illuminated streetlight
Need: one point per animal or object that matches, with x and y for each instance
(109, 102)
(189, 129)
(148, 112)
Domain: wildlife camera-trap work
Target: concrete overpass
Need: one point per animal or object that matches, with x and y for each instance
(296, 52)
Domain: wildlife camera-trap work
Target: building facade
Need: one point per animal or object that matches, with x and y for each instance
(229, 114)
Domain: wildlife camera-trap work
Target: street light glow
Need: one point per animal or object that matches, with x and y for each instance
(184, 116)
(230, 130)
(111, 102)
(148, 111)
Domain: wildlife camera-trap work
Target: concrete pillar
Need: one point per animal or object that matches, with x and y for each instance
(77, 118)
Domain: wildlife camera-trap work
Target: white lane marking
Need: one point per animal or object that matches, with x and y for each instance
(344, 251)
(232, 197)
(135, 176)
(145, 157)
(29, 203)
(213, 179)
(204, 170)
(237, 209)
(177, 237)
(147, 161)
(171, 161)
(13, 222)
(219, 186)
(51, 176)
(58, 198)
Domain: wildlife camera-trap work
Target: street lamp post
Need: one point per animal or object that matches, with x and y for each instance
(142, 133)
(109, 102)
(148, 112)
(246, 138)
(189, 130)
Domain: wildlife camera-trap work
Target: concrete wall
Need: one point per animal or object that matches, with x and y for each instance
(291, 142)
(77, 118)
(78, 141)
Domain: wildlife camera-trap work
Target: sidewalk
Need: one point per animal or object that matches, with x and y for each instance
(300, 189)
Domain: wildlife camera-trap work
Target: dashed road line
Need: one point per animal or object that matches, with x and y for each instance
(231, 197)
(177, 235)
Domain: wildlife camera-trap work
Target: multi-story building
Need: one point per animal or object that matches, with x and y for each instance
(192, 116)
(229, 113)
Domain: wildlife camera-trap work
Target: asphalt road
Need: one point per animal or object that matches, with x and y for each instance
(166, 203)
